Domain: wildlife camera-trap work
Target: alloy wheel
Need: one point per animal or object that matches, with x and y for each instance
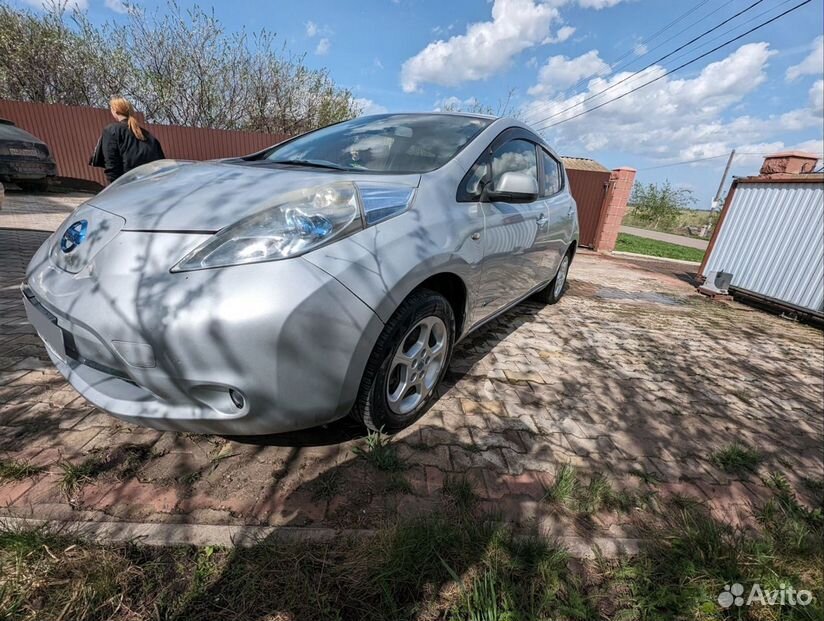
(416, 365)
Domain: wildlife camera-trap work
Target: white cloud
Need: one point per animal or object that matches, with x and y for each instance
(817, 97)
(311, 29)
(598, 4)
(564, 33)
(367, 106)
(376, 62)
(485, 49)
(812, 64)
(559, 72)
(117, 6)
(671, 118)
(69, 4)
(323, 47)
(639, 49)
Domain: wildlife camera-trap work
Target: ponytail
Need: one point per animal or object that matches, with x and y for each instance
(135, 127)
(121, 106)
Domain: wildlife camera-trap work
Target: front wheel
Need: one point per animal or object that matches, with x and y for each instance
(555, 290)
(409, 360)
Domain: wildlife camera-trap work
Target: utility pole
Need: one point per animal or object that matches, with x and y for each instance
(716, 202)
(723, 179)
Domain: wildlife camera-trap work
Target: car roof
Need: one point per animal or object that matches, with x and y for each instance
(472, 115)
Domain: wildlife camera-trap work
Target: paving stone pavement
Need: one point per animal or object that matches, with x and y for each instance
(632, 377)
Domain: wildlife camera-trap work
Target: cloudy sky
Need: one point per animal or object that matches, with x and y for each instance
(554, 61)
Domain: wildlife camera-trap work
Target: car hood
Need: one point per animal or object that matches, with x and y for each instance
(208, 196)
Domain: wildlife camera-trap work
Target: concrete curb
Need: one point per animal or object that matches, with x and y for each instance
(229, 536)
(635, 255)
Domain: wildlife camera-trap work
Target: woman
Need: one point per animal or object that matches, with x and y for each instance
(124, 145)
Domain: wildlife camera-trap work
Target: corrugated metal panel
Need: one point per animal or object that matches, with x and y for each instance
(772, 242)
(72, 133)
(588, 188)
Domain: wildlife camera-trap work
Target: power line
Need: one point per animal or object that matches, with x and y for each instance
(683, 162)
(704, 159)
(653, 63)
(678, 68)
(650, 38)
(726, 32)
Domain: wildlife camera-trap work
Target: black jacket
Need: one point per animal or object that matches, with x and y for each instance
(118, 150)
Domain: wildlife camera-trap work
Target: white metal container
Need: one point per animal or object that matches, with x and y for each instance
(771, 239)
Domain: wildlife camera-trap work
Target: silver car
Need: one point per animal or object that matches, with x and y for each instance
(331, 274)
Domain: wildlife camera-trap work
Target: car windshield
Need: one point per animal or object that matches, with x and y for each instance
(392, 143)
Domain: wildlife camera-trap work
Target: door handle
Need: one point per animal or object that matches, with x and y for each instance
(542, 220)
(476, 236)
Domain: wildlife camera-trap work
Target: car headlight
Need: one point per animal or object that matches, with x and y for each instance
(305, 221)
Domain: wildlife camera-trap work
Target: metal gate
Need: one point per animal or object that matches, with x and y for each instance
(589, 189)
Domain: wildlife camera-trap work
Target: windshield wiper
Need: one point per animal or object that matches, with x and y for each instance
(312, 163)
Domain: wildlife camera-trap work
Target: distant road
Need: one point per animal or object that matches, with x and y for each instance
(701, 244)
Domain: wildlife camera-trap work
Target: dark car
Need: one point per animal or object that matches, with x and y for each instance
(24, 159)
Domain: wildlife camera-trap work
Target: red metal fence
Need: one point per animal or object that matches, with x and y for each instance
(72, 132)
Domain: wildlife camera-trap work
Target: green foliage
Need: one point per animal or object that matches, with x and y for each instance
(380, 452)
(737, 458)
(11, 470)
(459, 491)
(655, 248)
(658, 205)
(687, 557)
(445, 565)
(178, 66)
(77, 475)
(564, 485)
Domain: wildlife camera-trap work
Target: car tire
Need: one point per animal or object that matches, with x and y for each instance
(555, 290)
(400, 358)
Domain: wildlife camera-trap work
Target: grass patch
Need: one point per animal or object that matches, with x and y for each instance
(380, 452)
(563, 486)
(460, 493)
(687, 558)
(737, 458)
(76, 476)
(450, 566)
(11, 470)
(597, 495)
(326, 485)
(678, 226)
(655, 248)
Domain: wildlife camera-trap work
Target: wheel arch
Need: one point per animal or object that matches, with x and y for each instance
(454, 289)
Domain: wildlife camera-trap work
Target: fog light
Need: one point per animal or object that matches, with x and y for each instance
(236, 398)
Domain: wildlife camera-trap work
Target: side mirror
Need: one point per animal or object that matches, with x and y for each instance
(513, 187)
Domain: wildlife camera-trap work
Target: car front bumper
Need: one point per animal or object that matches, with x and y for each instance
(164, 349)
(26, 169)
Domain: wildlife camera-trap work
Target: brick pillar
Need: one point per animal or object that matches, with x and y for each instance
(614, 208)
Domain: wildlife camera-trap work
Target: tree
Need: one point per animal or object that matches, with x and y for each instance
(178, 67)
(474, 106)
(658, 206)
